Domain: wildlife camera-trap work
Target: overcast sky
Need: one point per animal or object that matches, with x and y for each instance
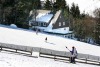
(86, 5)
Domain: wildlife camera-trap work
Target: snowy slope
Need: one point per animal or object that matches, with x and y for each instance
(8, 59)
(30, 38)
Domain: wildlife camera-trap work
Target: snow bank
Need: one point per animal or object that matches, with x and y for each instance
(13, 25)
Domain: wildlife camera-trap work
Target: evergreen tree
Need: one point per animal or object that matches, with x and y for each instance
(48, 5)
(82, 15)
(63, 4)
(97, 27)
(22, 10)
(55, 6)
(6, 11)
(15, 11)
(72, 10)
(97, 33)
(75, 12)
(60, 4)
(37, 4)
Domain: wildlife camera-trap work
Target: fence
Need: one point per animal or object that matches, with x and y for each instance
(59, 55)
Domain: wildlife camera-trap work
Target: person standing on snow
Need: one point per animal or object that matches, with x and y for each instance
(46, 39)
(73, 55)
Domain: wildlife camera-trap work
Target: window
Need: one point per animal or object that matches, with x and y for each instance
(63, 23)
(44, 24)
(60, 16)
(59, 23)
(39, 24)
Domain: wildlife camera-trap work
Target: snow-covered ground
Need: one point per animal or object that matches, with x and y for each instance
(30, 38)
(64, 30)
(8, 59)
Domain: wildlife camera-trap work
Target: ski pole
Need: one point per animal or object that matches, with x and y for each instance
(67, 48)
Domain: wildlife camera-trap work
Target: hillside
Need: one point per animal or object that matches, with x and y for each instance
(30, 38)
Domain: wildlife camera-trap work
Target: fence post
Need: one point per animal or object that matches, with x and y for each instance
(99, 60)
(16, 50)
(86, 60)
(39, 52)
(0, 47)
(31, 51)
(54, 57)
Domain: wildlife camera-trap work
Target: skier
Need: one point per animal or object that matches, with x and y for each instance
(46, 39)
(73, 55)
